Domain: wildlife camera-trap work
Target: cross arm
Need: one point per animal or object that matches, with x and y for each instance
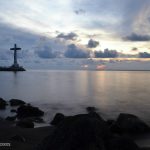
(15, 49)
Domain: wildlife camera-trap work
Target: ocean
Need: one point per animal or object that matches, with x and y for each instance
(71, 91)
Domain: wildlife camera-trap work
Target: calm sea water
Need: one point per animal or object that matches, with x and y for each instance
(70, 92)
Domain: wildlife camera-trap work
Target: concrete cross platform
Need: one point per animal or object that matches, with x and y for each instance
(15, 66)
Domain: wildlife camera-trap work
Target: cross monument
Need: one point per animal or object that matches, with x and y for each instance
(15, 55)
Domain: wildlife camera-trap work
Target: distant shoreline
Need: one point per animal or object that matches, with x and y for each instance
(78, 70)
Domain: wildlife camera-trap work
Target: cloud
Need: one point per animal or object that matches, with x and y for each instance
(106, 54)
(5, 56)
(144, 55)
(34, 46)
(69, 36)
(11, 35)
(24, 39)
(106, 19)
(117, 16)
(92, 43)
(137, 37)
(74, 52)
(134, 49)
(45, 52)
(79, 11)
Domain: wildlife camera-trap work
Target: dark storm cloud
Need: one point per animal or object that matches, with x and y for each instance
(106, 54)
(45, 53)
(137, 37)
(33, 46)
(74, 52)
(69, 36)
(92, 43)
(9, 35)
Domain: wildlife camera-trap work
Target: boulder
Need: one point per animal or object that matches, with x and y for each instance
(36, 119)
(25, 123)
(13, 110)
(110, 122)
(57, 119)
(120, 143)
(128, 123)
(18, 138)
(85, 132)
(29, 111)
(80, 132)
(12, 118)
(16, 102)
(3, 103)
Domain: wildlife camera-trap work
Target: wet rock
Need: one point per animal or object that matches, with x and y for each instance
(12, 118)
(110, 122)
(128, 123)
(16, 102)
(57, 119)
(121, 143)
(85, 132)
(3, 103)
(145, 148)
(13, 110)
(80, 132)
(29, 111)
(25, 123)
(115, 128)
(36, 119)
(18, 138)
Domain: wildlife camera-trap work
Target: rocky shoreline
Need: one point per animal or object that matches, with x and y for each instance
(79, 132)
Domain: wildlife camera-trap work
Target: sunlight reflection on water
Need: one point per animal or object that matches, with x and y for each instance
(70, 92)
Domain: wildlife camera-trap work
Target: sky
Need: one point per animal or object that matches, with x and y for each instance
(49, 28)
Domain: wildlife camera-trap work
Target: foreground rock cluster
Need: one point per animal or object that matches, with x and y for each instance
(91, 132)
(79, 132)
(24, 114)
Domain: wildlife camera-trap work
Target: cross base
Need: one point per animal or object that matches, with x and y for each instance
(15, 66)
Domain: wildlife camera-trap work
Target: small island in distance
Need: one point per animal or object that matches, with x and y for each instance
(15, 66)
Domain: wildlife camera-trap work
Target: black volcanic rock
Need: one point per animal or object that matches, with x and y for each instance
(37, 120)
(12, 118)
(3, 103)
(120, 143)
(25, 123)
(18, 138)
(13, 110)
(128, 123)
(85, 132)
(80, 132)
(29, 111)
(16, 102)
(57, 119)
